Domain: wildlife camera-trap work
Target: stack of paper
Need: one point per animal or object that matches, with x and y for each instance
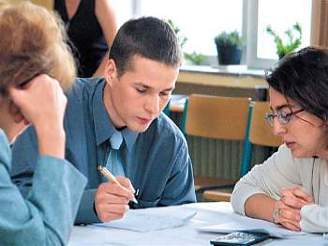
(241, 223)
(152, 219)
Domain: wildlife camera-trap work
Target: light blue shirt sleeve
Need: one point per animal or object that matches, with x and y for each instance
(46, 216)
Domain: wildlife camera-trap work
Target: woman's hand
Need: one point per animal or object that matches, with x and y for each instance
(286, 216)
(287, 211)
(42, 103)
(295, 197)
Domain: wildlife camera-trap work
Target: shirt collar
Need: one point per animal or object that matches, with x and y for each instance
(104, 127)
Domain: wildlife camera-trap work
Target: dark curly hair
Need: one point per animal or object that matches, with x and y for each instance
(303, 77)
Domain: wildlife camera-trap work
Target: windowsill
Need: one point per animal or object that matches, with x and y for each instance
(235, 81)
(233, 70)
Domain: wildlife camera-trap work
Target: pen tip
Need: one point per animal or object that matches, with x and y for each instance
(135, 200)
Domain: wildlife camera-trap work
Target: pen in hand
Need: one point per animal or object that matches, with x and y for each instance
(106, 173)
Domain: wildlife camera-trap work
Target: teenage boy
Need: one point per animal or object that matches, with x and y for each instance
(116, 121)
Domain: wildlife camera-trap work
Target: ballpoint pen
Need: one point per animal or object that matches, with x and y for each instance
(106, 173)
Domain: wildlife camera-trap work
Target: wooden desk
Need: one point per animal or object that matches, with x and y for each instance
(221, 84)
(210, 181)
(217, 195)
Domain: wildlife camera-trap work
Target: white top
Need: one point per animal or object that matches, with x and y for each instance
(282, 170)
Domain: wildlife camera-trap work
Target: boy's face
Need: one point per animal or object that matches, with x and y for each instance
(137, 97)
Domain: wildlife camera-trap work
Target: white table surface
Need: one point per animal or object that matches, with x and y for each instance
(207, 214)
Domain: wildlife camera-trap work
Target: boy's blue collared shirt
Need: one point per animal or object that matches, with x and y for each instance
(157, 160)
(103, 125)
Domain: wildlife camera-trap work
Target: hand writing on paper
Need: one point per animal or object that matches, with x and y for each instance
(287, 209)
(111, 200)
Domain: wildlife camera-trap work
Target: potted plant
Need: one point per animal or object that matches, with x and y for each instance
(229, 47)
(194, 58)
(292, 42)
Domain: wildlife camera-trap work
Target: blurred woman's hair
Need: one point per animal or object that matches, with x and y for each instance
(33, 41)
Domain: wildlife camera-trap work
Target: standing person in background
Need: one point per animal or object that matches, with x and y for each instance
(33, 49)
(291, 187)
(91, 28)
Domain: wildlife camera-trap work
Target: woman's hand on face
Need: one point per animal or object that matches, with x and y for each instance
(295, 197)
(41, 101)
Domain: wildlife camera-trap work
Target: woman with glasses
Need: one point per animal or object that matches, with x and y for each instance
(291, 187)
(33, 57)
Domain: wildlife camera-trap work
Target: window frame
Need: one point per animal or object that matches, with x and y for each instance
(136, 8)
(249, 33)
(252, 60)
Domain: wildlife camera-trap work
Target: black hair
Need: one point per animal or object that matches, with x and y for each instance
(303, 77)
(147, 37)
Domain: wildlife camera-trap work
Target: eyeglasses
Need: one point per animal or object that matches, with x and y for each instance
(282, 116)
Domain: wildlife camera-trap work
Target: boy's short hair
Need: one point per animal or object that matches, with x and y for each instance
(147, 37)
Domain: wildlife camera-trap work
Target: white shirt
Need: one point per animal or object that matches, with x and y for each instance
(280, 171)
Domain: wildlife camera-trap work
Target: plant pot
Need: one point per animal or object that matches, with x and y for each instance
(228, 54)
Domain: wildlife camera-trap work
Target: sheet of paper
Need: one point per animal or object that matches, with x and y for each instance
(241, 223)
(178, 100)
(152, 219)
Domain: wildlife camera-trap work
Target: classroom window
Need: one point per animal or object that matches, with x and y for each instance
(278, 14)
(201, 21)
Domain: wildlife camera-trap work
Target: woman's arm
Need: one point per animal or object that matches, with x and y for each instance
(263, 211)
(46, 217)
(261, 206)
(106, 17)
(258, 193)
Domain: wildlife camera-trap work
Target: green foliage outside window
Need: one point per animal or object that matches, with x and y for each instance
(194, 57)
(294, 40)
(181, 39)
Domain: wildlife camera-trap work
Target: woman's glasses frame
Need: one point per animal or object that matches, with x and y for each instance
(283, 117)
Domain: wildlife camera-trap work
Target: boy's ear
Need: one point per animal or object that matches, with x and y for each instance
(110, 71)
